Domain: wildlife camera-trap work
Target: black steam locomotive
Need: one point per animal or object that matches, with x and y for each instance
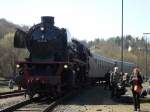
(55, 64)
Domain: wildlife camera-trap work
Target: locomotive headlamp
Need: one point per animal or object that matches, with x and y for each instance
(42, 28)
(17, 66)
(65, 66)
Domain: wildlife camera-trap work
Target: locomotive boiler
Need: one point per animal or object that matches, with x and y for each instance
(55, 63)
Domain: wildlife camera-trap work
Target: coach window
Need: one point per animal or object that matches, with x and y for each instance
(106, 65)
(103, 64)
(97, 63)
(109, 65)
(100, 64)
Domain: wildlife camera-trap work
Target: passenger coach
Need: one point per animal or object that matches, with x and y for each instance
(99, 65)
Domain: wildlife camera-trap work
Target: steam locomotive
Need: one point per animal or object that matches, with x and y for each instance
(56, 62)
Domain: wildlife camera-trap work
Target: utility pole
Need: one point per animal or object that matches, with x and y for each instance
(122, 41)
(146, 50)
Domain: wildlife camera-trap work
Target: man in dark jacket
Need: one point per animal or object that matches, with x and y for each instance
(107, 80)
(114, 80)
(145, 92)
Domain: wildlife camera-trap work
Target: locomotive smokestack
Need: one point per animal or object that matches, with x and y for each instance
(47, 20)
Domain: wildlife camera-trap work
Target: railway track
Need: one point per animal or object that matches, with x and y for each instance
(38, 104)
(18, 105)
(57, 102)
(11, 94)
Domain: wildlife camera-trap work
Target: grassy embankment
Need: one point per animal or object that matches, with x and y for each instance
(4, 85)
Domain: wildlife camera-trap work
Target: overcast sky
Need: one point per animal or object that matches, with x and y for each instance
(85, 19)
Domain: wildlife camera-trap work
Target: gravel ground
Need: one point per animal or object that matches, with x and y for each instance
(6, 102)
(98, 100)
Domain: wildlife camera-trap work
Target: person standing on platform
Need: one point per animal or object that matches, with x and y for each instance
(114, 80)
(107, 80)
(136, 87)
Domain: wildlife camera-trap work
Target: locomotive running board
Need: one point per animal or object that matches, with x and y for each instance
(52, 62)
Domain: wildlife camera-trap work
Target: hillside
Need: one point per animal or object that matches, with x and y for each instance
(112, 48)
(7, 51)
(6, 27)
